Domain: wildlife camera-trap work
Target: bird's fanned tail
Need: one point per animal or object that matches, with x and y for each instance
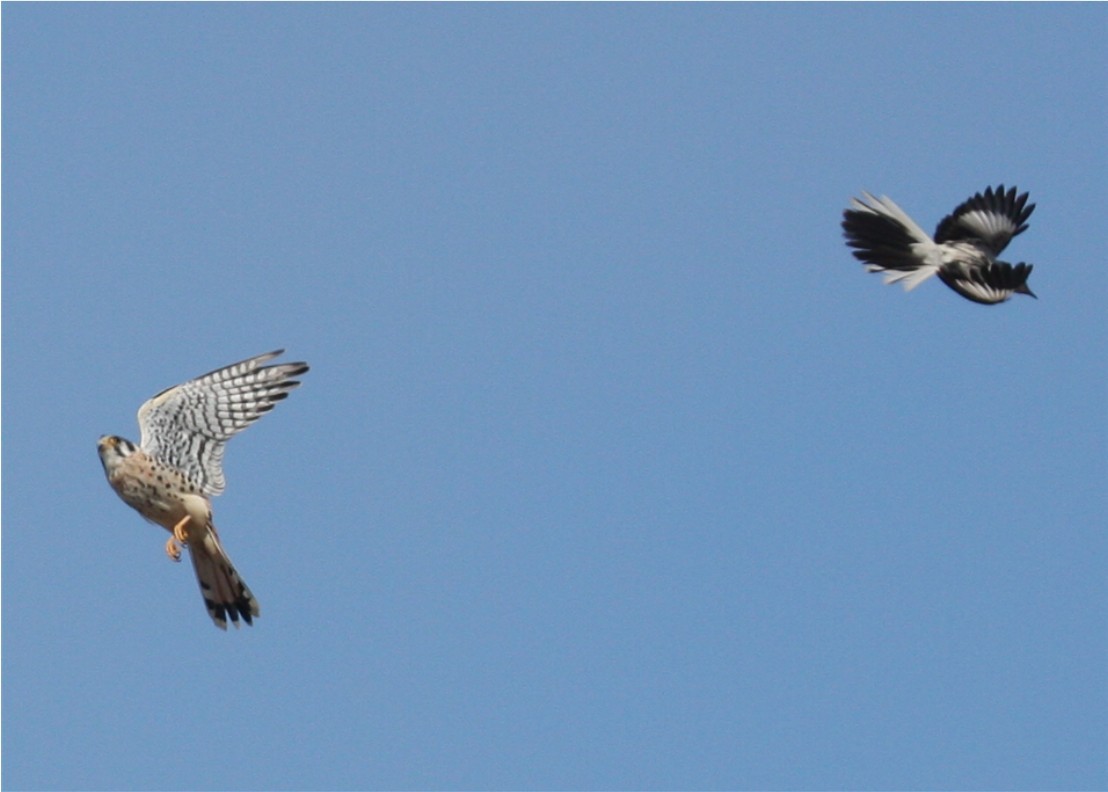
(888, 241)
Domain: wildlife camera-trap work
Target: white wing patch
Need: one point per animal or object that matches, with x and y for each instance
(979, 291)
(993, 227)
(993, 217)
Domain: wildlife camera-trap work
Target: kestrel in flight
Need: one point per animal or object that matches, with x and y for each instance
(963, 253)
(174, 471)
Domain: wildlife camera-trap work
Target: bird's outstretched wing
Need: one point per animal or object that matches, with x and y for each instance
(188, 425)
(993, 217)
(990, 284)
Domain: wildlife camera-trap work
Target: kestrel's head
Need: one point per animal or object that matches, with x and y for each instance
(112, 450)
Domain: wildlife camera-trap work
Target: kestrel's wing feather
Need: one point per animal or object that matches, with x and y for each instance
(993, 217)
(187, 426)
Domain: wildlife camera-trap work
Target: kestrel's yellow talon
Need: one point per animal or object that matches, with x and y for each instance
(179, 532)
(172, 549)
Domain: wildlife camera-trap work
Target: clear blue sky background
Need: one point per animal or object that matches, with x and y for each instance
(613, 468)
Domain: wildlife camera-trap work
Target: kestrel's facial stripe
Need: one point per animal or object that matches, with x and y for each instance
(120, 445)
(117, 445)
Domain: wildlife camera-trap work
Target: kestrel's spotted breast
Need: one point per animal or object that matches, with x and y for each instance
(170, 476)
(149, 486)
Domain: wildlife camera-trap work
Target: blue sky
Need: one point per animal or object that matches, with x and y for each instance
(613, 468)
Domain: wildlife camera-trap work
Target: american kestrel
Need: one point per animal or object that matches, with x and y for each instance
(963, 253)
(170, 476)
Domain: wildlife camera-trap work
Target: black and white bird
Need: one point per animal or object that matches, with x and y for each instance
(963, 253)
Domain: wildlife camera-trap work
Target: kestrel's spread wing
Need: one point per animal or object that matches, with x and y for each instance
(963, 253)
(187, 426)
(172, 476)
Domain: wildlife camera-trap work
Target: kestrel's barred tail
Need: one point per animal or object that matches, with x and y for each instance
(223, 590)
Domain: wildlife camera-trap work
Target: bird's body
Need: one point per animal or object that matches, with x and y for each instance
(171, 475)
(963, 252)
